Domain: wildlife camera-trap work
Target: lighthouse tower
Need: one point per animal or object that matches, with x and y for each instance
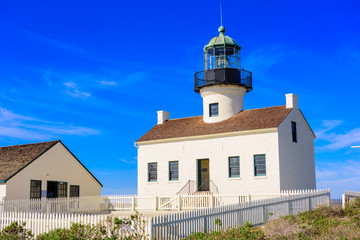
(223, 83)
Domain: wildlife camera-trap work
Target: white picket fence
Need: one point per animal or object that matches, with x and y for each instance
(349, 196)
(189, 201)
(88, 204)
(93, 204)
(182, 224)
(44, 222)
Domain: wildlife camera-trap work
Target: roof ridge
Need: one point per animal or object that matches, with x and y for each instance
(264, 108)
(26, 144)
(234, 115)
(184, 118)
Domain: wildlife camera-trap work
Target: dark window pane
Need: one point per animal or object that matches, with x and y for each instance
(62, 189)
(214, 109)
(260, 165)
(234, 167)
(74, 190)
(35, 189)
(173, 170)
(152, 172)
(293, 131)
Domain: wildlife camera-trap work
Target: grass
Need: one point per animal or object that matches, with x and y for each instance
(325, 222)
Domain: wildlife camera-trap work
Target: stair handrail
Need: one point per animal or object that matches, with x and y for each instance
(189, 187)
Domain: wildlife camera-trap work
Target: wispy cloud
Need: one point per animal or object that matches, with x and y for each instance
(108, 83)
(81, 85)
(28, 128)
(337, 175)
(73, 90)
(335, 141)
(267, 56)
(131, 161)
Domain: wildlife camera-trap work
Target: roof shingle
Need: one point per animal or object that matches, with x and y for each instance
(195, 126)
(15, 158)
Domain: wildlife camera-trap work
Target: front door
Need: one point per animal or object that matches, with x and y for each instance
(203, 175)
(52, 189)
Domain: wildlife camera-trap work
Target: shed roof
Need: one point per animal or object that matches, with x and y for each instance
(253, 119)
(15, 158)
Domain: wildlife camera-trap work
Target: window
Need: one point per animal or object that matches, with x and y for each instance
(174, 170)
(35, 189)
(74, 190)
(293, 130)
(152, 172)
(234, 167)
(260, 165)
(62, 186)
(214, 109)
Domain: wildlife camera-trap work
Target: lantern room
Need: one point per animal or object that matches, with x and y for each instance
(222, 64)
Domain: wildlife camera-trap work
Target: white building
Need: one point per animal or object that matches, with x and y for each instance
(44, 170)
(228, 149)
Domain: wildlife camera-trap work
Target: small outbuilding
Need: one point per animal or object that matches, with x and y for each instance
(44, 170)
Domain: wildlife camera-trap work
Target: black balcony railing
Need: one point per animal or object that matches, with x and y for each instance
(220, 76)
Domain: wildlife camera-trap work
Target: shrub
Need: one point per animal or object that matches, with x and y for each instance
(16, 231)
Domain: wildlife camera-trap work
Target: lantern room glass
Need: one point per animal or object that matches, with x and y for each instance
(221, 57)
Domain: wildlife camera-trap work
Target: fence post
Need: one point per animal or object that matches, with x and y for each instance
(156, 203)
(249, 198)
(289, 207)
(133, 204)
(343, 200)
(310, 207)
(264, 214)
(107, 203)
(212, 202)
(47, 206)
(179, 202)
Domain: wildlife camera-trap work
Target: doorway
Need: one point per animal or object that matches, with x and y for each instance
(52, 189)
(203, 175)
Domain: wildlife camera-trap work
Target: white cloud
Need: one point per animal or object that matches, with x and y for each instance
(339, 176)
(73, 90)
(134, 161)
(108, 83)
(28, 128)
(266, 57)
(335, 140)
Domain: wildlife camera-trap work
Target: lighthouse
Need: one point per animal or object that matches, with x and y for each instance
(228, 149)
(223, 83)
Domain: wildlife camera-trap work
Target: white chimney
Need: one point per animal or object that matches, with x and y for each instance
(163, 116)
(291, 101)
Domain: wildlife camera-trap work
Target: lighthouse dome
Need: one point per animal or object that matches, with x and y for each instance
(221, 40)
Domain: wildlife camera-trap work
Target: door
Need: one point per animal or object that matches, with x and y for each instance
(52, 189)
(203, 175)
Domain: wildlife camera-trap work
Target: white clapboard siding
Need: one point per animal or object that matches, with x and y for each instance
(182, 224)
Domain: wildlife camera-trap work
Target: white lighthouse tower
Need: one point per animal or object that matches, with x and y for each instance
(223, 83)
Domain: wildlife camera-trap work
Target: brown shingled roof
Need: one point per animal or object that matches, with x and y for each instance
(15, 158)
(195, 126)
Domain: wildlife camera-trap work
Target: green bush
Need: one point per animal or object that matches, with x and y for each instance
(16, 231)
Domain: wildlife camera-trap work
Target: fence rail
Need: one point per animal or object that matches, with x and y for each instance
(180, 225)
(180, 202)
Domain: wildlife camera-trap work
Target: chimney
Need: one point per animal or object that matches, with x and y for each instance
(163, 116)
(291, 101)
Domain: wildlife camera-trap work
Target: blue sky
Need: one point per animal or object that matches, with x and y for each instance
(94, 73)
